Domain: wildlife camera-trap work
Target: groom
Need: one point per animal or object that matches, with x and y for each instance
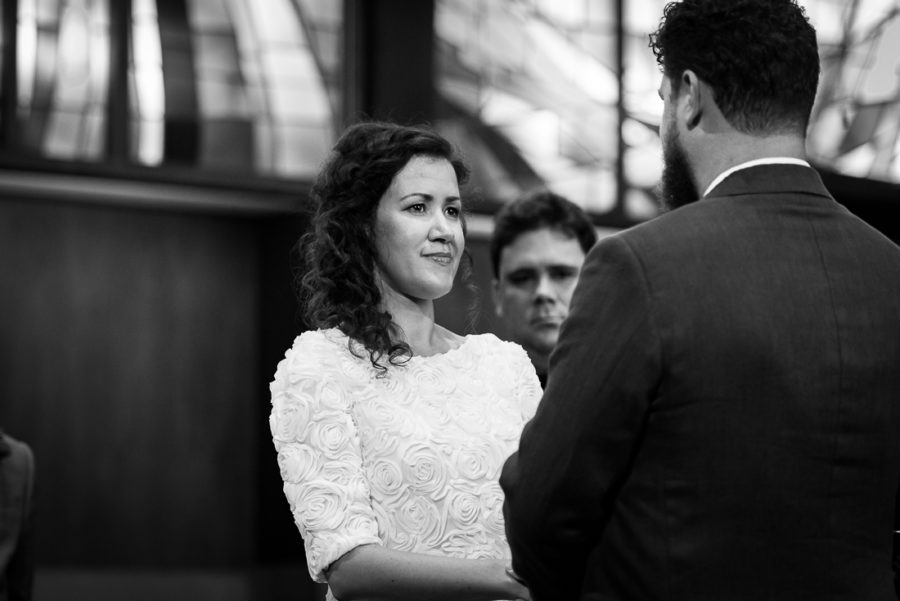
(722, 416)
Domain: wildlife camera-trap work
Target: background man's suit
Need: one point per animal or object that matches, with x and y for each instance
(16, 519)
(722, 417)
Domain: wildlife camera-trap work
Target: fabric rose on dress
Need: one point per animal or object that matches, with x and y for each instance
(490, 496)
(351, 368)
(464, 508)
(332, 396)
(456, 545)
(420, 517)
(342, 468)
(435, 406)
(319, 505)
(386, 480)
(388, 529)
(476, 461)
(360, 524)
(470, 418)
(290, 415)
(377, 442)
(509, 429)
(382, 426)
(384, 415)
(316, 549)
(298, 367)
(332, 436)
(298, 463)
(393, 383)
(429, 379)
(424, 470)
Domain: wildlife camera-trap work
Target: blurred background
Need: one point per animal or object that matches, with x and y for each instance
(155, 163)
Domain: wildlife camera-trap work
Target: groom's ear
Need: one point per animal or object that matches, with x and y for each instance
(495, 296)
(695, 96)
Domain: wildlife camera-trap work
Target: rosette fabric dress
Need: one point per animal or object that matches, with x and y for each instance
(409, 460)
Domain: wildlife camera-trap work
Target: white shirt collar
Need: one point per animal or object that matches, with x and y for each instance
(754, 163)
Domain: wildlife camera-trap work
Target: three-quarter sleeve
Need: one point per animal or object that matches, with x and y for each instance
(319, 454)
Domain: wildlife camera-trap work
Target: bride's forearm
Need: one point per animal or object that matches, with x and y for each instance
(374, 573)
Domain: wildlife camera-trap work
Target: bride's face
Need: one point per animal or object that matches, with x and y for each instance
(418, 230)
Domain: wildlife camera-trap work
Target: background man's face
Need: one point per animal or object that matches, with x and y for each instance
(536, 277)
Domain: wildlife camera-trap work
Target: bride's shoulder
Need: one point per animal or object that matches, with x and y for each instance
(322, 349)
(319, 338)
(321, 356)
(489, 344)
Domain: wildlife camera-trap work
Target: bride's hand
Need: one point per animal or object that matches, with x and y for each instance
(518, 586)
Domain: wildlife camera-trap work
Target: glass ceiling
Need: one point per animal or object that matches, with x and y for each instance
(542, 75)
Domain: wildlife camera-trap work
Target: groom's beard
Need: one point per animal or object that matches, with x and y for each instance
(678, 187)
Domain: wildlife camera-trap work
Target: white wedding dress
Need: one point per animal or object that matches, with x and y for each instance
(409, 460)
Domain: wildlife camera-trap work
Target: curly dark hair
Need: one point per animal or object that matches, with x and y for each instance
(335, 259)
(759, 57)
(536, 211)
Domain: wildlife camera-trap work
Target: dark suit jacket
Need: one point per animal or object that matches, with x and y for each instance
(16, 520)
(722, 416)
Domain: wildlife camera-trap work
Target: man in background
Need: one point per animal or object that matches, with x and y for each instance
(537, 249)
(722, 417)
(16, 519)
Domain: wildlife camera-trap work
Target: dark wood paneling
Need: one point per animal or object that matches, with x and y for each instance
(129, 359)
(278, 538)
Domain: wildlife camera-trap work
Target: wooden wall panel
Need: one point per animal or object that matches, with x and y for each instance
(129, 360)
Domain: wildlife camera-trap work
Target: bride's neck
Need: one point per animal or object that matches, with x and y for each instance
(413, 321)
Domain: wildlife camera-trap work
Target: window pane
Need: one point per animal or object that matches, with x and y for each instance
(254, 75)
(63, 77)
(855, 127)
(535, 79)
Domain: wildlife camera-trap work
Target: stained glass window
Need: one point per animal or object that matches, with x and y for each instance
(262, 91)
(531, 87)
(856, 120)
(534, 78)
(63, 77)
(642, 152)
(146, 85)
(217, 85)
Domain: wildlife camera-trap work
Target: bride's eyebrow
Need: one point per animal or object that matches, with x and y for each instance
(429, 197)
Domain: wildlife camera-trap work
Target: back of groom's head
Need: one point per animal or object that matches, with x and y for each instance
(759, 57)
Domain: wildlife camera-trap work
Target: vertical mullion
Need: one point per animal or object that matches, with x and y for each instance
(389, 76)
(355, 46)
(9, 74)
(618, 215)
(118, 126)
(182, 113)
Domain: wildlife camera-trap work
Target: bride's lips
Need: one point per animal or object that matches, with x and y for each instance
(441, 258)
